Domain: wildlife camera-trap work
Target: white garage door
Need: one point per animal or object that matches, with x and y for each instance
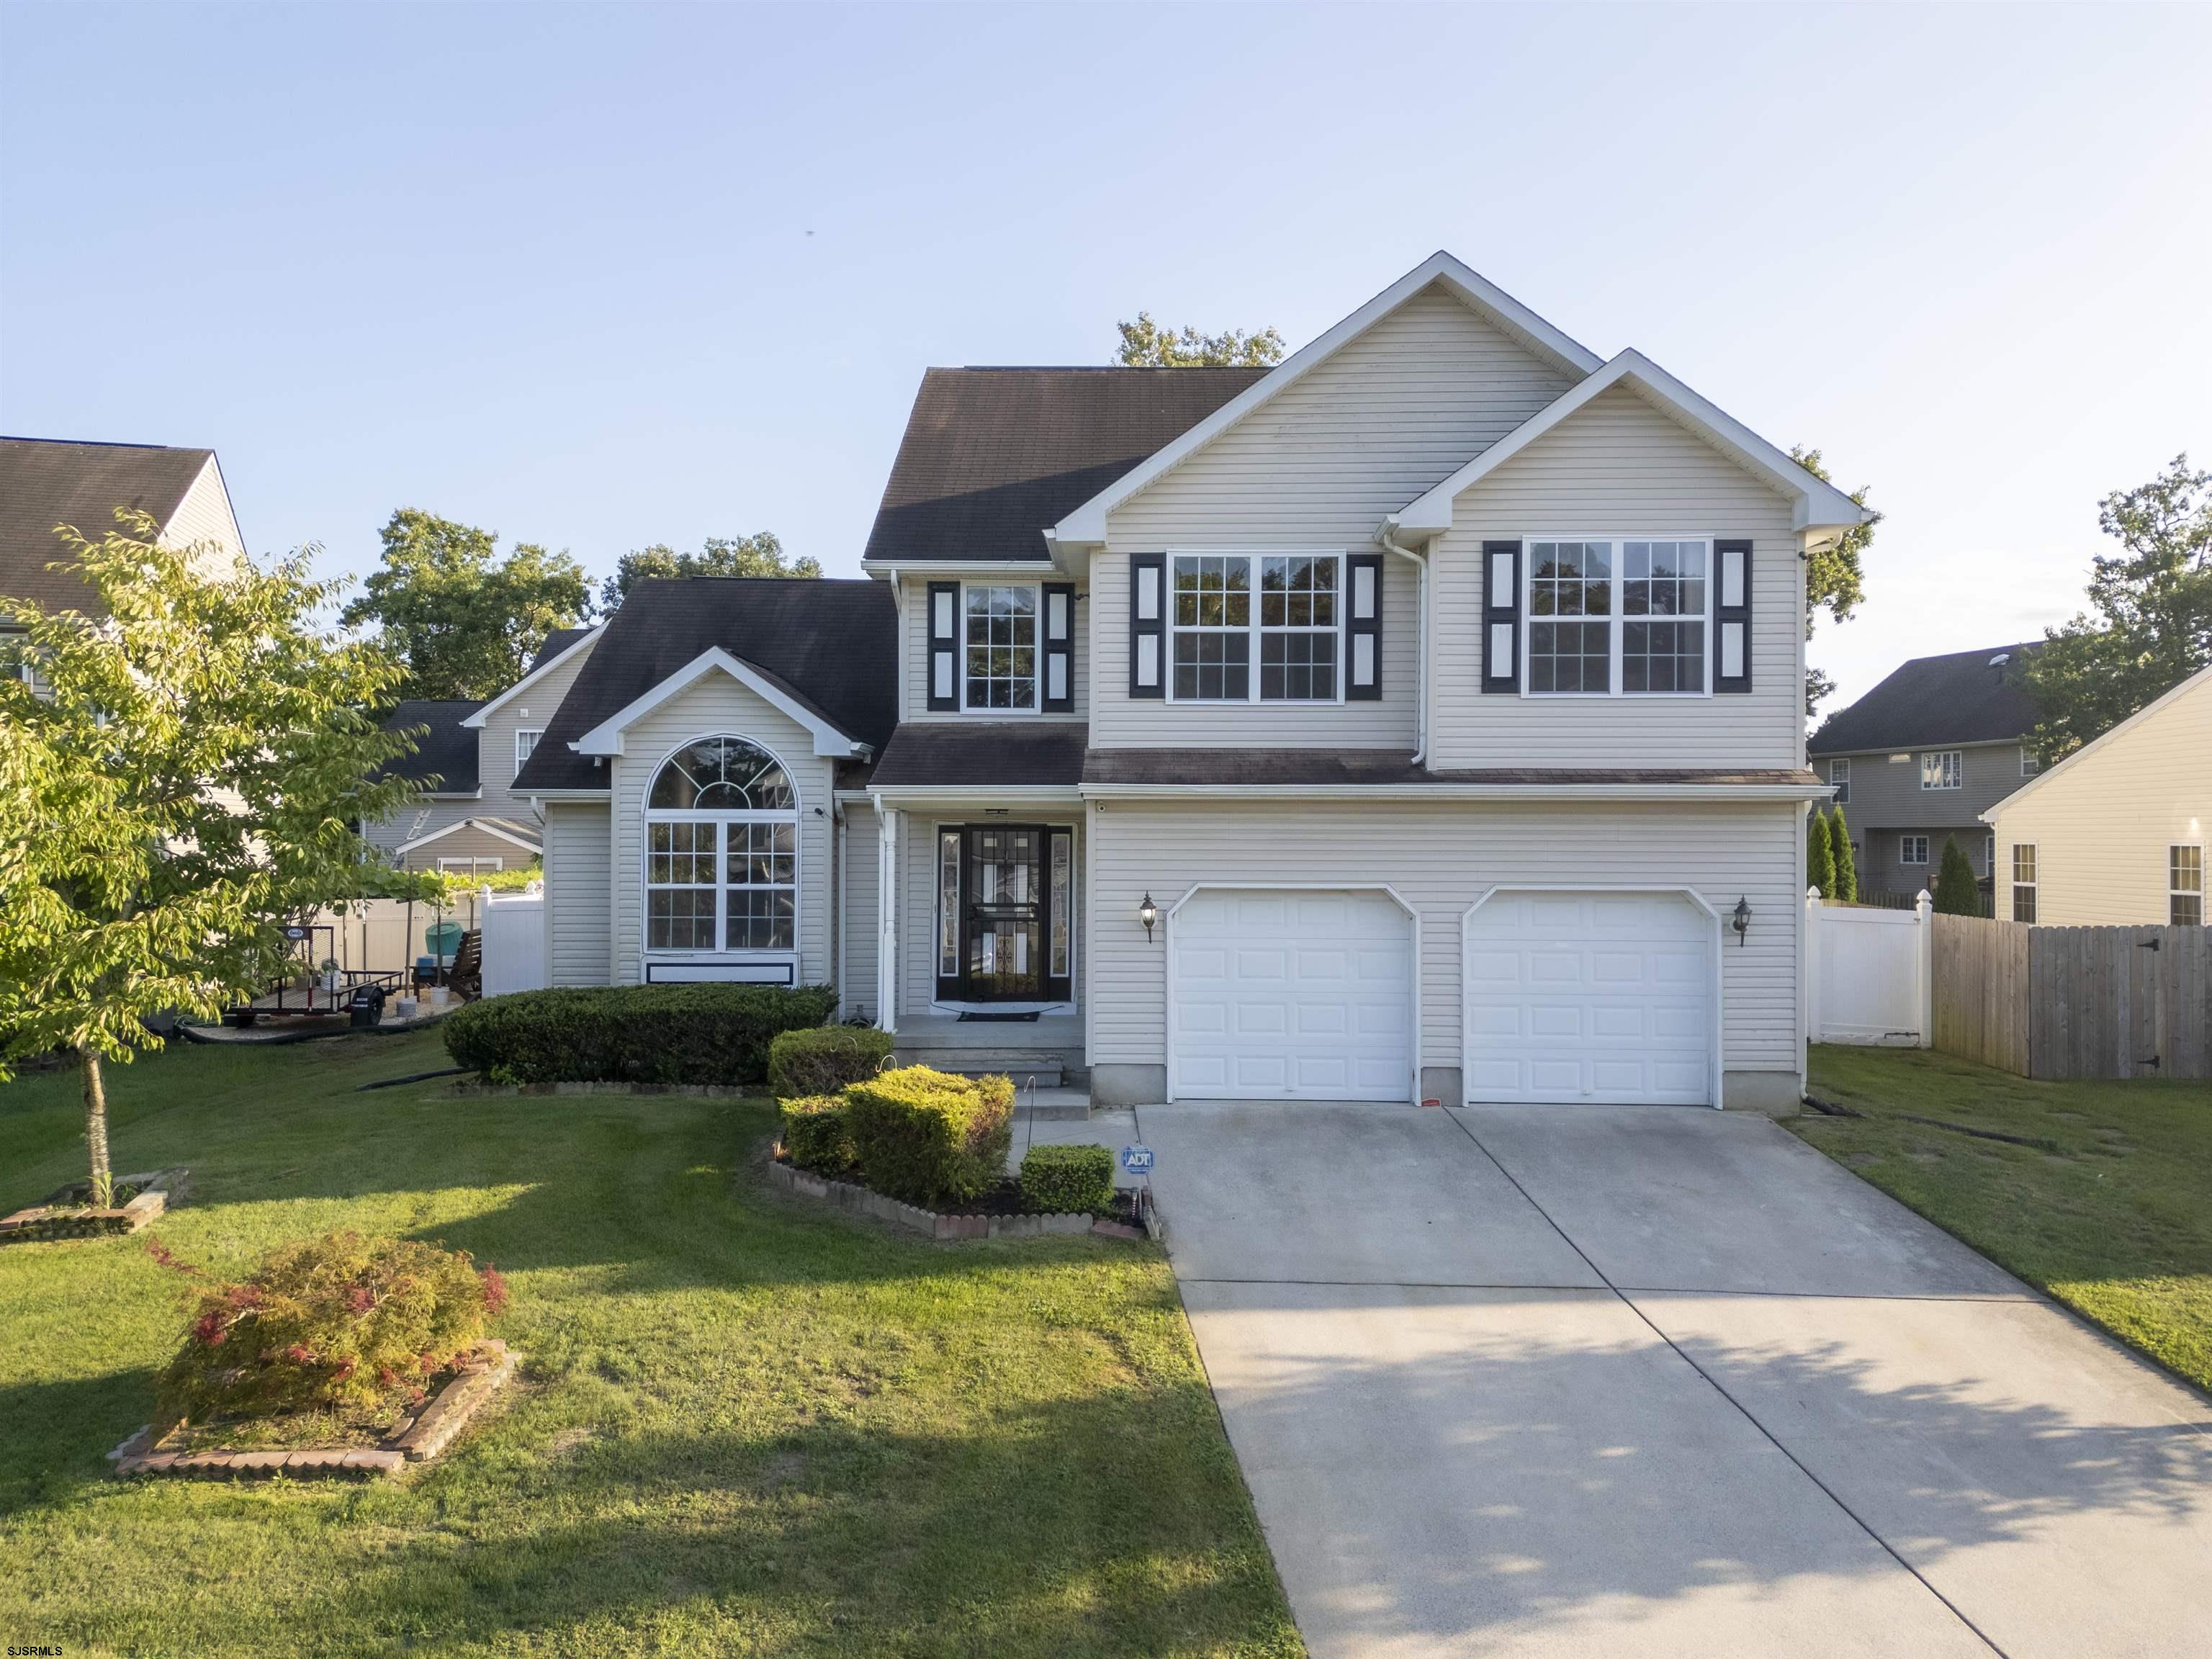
(1576, 997)
(1293, 996)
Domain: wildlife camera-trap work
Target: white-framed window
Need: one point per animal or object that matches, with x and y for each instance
(999, 656)
(1840, 774)
(1912, 849)
(721, 851)
(1619, 616)
(1942, 769)
(2030, 761)
(469, 866)
(2023, 881)
(1220, 604)
(2184, 886)
(525, 742)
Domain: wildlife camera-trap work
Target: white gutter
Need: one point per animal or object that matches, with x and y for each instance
(1384, 540)
(1442, 791)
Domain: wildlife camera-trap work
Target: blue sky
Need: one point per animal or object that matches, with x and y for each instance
(600, 277)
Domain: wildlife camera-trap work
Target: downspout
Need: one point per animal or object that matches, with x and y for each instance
(1389, 544)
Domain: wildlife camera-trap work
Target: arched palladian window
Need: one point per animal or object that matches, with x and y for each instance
(721, 851)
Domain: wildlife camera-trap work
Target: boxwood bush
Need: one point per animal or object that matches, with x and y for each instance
(929, 1137)
(823, 1060)
(633, 1033)
(817, 1135)
(1068, 1180)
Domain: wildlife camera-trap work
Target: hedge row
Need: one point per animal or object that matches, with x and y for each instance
(1068, 1180)
(633, 1033)
(924, 1136)
(824, 1060)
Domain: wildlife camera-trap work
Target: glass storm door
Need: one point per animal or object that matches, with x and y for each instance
(1005, 914)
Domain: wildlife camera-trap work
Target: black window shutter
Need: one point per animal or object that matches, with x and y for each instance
(1362, 611)
(1059, 647)
(944, 624)
(1501, 616)
(1732, 661)
(1148, 612)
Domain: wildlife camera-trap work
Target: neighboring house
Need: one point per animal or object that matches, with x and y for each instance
(1922, 757)
(2117, 833)
(46, 482)
(469, 819)
(1412, 719)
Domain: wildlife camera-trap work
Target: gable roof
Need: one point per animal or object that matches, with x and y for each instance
(991, 456)
(1086, 522)
(830, 645)
(45, 482)
(561, 645)
(1962, 696)
(447, 752)
(2201, 677)
(1819, 504)
(556, 642)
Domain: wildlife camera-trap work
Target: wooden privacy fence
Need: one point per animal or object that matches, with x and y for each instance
(2074, 1002)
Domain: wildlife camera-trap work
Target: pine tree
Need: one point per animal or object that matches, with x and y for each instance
(1956, 893)
(1820, 857)
(1847, 869)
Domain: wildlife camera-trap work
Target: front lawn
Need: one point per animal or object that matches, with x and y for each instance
(2110, 1211)
(744, 1426)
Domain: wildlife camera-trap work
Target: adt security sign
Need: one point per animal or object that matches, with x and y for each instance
(1137, 1160)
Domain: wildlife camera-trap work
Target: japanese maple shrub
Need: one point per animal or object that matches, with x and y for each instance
(336, 1322)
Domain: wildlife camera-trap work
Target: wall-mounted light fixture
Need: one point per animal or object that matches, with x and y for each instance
(1742, 922)
(1149, 914)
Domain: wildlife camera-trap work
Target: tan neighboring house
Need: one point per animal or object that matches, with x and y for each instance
(2117, 833)
(469, 820)
(1422, 718)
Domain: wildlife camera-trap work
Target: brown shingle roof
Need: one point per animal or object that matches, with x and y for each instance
(47, 482)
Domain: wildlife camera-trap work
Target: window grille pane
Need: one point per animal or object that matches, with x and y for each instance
(760, 919)
(722, 775)
(1570, 579)
(1212, 665)
(680, 918)
(1664, 580)
(2023, 864)
(1001, 652)
(1062, 879)
(948, 905)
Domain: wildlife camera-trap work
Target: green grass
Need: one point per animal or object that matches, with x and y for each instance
(744, 1426)
(2112, 1215)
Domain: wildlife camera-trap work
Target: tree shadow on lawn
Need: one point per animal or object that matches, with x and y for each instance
(54, 1435)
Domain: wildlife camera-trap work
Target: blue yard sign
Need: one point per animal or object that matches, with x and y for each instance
(1137, 1160)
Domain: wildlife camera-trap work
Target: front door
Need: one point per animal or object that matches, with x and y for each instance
(1003, 913)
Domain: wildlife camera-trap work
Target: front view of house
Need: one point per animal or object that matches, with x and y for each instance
(1418, 718)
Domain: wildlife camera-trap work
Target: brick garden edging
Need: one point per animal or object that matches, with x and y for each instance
(48, 1220)
(845, 1195)
(695, 1091)
(416, 1439)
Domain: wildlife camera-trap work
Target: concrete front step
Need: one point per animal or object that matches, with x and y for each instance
(1020, 1064)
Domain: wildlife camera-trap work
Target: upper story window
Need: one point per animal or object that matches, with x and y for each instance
(1610, 618)
(1839, 773)
(2023, 881)
(1000, 659)
(2030, 761)
(1942, 769)
(2184, 883)
(1296, 623)
(722, 859)
(525, 742)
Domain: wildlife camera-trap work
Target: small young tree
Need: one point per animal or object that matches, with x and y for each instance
(187, 784)
(1847, 868)
(1956, 893)
(1820, 856)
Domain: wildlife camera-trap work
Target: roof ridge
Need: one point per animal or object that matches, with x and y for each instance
(108, 443)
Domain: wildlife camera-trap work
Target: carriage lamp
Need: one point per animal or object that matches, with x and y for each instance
(1149, 914)
(1742, 922)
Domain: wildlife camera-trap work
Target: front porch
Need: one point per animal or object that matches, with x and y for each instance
(1049, 1048)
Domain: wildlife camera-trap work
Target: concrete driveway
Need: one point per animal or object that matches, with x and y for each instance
(1657, 1382)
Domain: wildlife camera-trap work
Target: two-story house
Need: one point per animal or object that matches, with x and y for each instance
(1420, 718)
(469, 819)
(1922, 757)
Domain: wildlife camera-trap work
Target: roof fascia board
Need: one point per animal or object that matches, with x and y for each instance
(600, 796)
(507, 837)
(1819, 505)
(968, 794)
(896, 568)
(477, 720)
(1443, 791)
(1087, 524)
(606, 738)
(2093, 745)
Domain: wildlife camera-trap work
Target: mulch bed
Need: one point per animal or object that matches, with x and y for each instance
(998, 1213)
(64, 1214)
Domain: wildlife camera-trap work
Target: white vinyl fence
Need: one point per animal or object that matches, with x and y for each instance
(514, 943)
(388, 935)
(1868, 973)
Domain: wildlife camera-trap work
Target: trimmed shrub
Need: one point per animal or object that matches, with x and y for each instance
(1819, 855)
(1067, 1180)
(338, 1322)
(1957, 893)
(817, 1135)
(824, 1059)
(929, 1137)
(1847, 869)
(633, 1033)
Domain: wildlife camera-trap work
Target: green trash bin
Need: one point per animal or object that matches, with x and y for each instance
(442, 939)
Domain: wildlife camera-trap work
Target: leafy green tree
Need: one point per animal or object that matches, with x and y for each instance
(464, 621)
(1835, 576)
(2150, 627)
(1146, 344)
(185, 785)
(1820, 855)
(1957, 894)
(1847, 868)
(757, 555)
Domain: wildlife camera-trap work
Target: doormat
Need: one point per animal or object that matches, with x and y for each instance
(1028, 1019)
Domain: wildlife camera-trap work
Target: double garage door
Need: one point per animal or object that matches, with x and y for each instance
(1568, 997)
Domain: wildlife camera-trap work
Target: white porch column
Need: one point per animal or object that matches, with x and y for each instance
(887, 919)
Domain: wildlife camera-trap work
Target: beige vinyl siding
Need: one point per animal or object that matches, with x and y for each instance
(471, 843)
(533, 710)
(203, 515)
(1620, 467)
(1440, 857)
(576, 896)
(718, 705)
(913, 649)
(858, 918)
(1412, 400)
(2101, 826)
(917, 894)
